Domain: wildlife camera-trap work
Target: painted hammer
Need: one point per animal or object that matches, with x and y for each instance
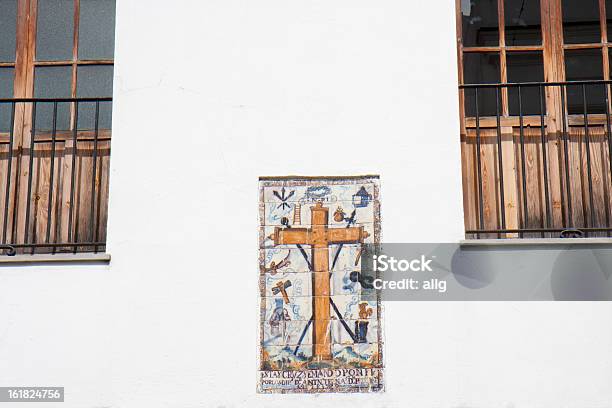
(281, 287)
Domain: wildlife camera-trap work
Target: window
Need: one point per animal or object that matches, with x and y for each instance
(54, 143)
(504, 34)
(501, 42)
(535, 103)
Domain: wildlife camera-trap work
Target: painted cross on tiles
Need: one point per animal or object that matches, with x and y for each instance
(320, 330)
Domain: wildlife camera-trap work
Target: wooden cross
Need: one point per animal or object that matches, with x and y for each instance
(319, 236)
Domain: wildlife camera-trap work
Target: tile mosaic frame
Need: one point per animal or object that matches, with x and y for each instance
(348, 357)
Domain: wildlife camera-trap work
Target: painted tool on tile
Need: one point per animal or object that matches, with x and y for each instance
(283, 198)
(339, 215)
(281, 287)
(361, 325)
(297, 214)
(364, 310)
(274, 267)
(361, 198)
(358, 257)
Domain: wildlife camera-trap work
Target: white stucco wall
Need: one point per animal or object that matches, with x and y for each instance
(211, 95)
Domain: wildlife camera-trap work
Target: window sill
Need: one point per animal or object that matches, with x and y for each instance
(535, 242)
(99, 258)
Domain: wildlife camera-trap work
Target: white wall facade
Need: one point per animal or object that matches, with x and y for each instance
(209, 96)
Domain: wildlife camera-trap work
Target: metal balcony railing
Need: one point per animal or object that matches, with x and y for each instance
(543, 167)
(54, 156)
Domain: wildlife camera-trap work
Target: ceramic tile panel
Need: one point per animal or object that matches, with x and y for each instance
(320, 329)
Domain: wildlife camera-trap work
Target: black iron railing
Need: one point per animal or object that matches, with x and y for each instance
(54, 174)
(537, 159)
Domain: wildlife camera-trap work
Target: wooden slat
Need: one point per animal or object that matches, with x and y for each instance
(555, 172)
(554, 67)
(535, 184)
(103, 188)
(70, 62)
(65, 233)
(27, 89)
(3, 171)
(554, 71)
(481, 49)
(593, 119)
(583, 46)
(40, 215)
(515, 48)
(510, 181)
(490, 182)
(502, 56)
(459, 39)
(83, 201)
(511, 48)
(470, 209)
(490, 187)
(606, 176)
(575, 151)
(598, 167)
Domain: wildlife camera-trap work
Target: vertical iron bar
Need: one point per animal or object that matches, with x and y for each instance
(73, 173)
(588, 156)
(51, 175)
(544, 160)
(500, 162)
(7, 194)
(607, 86)
(568, 194)
(30, 169)
(480, 199)
(523, 168)
(94, 233)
